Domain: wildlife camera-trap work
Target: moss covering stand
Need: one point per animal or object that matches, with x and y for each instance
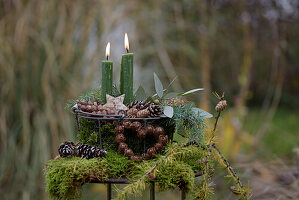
(66, 176)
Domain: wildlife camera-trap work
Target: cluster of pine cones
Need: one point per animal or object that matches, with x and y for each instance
(136, 126)
(69, 149)
(94, 108)
(143, 109)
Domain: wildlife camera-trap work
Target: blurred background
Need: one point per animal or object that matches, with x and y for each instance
(50, 52)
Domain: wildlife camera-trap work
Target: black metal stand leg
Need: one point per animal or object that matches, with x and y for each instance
(109, 193)
(77, 120)
(183, 195)
(100, 134)
(152, 191)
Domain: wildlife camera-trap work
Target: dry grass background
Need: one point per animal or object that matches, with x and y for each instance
(50, 52)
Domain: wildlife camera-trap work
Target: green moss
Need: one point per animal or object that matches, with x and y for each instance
(64, 180)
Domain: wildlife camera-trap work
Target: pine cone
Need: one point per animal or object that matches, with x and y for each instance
(88, 151)
(67, 149)
(81, 148)
(151, 151)
(132, 105)
(155, 110)
(146, 156)
(136, 158)
(132, 113)
(143, 113)
(135, 126)
(150, 129)
(120, 138)
(140, 105)
(129, 153)
(221, 106)
(122, 147)
(158, 131)
(158, 147)
(127, 124)
(141, 134)
(119, 129)
(163, 139)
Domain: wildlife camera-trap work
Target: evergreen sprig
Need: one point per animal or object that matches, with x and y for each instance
(188, 123)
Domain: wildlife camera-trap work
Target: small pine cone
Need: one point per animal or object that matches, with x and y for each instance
(141, 134)
(89, 103)
(88, 153)
(135, 126)
(111, 111)
(119, 129)
(136, 158)
(151, 151)
(151, 176)
(84, 102)
(221, 106)
(94, 108)
(83, 108)
(146, 156)
(88, 108)
(158, 131)
(122, 146)
(127, 124)
(158, 147)
(120, 138)
(163, 139)
(155, 110)
(81, 148)
(149, 129)
(100, 153)
(129, 153)
(143, 113)
(132, 105)
(67, 149)
(132, 111)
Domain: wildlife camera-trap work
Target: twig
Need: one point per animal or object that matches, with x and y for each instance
(228, 166)
(77, 163)
(217, 117)
(157, 163)
(215, 125)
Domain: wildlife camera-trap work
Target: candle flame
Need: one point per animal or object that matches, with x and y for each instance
(108, 50)
(126, 42)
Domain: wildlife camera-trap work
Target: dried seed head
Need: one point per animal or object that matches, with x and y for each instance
(221, 106)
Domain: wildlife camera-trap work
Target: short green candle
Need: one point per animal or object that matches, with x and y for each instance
(107, 70)
(126, 77)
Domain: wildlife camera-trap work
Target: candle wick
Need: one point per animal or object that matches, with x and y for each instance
(107, 57)
(127, 50)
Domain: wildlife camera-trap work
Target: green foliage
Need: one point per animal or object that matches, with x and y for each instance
(188, 124)
(65, 176)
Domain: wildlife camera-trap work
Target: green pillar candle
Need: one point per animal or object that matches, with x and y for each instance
(107, 71)
(126, 74)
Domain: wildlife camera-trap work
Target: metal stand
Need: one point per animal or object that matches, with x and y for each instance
(109, 191)
(152, 191)
(183, 195)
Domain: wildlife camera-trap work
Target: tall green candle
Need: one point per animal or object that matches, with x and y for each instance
(126, 73)
(107, 71)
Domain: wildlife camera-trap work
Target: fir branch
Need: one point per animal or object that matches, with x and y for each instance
(227, 165)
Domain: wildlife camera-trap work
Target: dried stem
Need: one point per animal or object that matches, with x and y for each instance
(228, 166)
(157, 163)
(77, 163)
